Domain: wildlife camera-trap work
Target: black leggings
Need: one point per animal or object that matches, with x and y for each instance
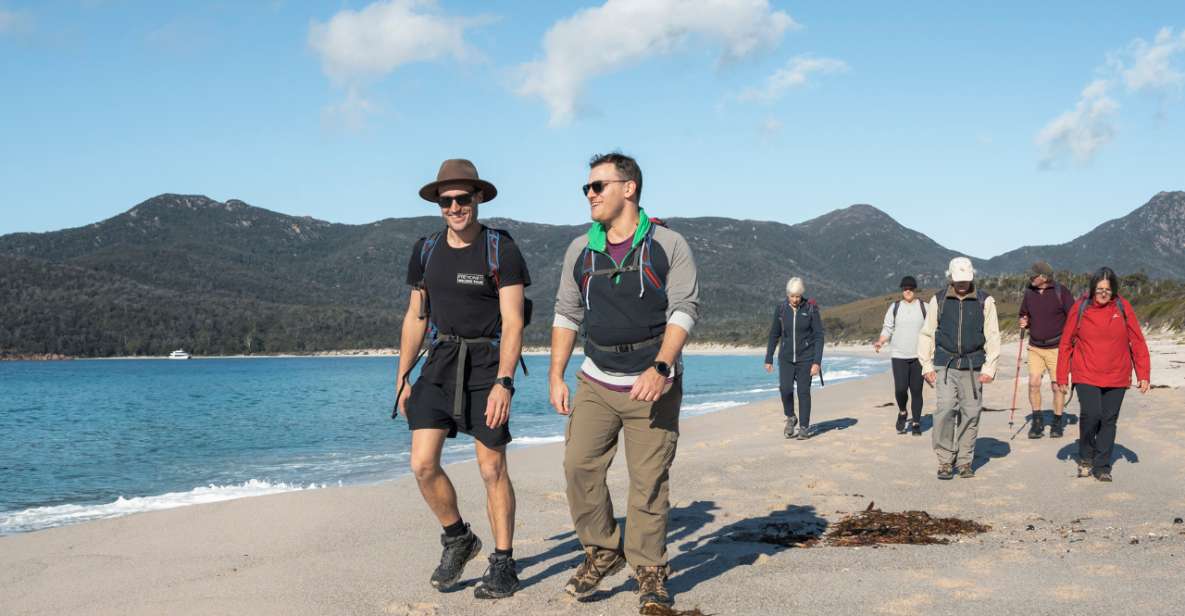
(789, 375)
(907, 384)
(1097, 419)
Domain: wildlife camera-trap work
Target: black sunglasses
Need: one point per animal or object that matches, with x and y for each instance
(462, 200)
(598, 186)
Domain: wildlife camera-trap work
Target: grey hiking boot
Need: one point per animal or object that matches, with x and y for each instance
(652, 586)
(791, 422)
(598, 564)
(500, 579)
(803, 433)
(1057, 426)
(966, 472)
(946, 471)
(1037, 429)
(457, 552)
(1084, 469)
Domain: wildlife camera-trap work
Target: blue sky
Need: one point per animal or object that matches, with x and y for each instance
(984, 125)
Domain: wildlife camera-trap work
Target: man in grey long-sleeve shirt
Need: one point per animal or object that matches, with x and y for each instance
(903, 321)
(631, 283)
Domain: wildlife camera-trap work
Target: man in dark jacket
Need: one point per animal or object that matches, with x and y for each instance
(799, 328)
(1043, 312)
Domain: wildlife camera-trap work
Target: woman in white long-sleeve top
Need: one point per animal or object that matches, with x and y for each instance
(903, 320)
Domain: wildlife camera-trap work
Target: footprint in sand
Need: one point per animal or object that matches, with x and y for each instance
(1067, 593)
(907, 606)
(413, 609)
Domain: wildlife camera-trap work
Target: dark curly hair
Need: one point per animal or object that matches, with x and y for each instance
(626, 166)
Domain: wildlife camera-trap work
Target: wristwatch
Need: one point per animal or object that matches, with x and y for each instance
(663, 368)
(506, 382)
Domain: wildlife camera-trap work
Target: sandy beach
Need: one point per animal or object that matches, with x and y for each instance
(1056, 545)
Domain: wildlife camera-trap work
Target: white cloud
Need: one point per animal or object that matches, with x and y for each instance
(1081, 131)
(1149, 66)
(602, 39)
(795, 74)
(351, 114)
(357, 47)
(14, 21)
(373, 42)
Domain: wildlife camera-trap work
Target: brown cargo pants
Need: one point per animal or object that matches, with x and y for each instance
(651, 434)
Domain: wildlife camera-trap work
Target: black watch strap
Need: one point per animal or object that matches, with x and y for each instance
(506, 382)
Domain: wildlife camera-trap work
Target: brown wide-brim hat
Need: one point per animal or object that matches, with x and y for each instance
(457, 171)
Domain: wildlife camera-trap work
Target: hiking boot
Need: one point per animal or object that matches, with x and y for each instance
(1102, 475)
(1084, 469)
(901, 422)
(803, 433)
(1037, 429)
(966, 472)
(598, 564)
(946, 471)
(791, 422)
(652, 586)
(457, 552)
(500, 579)
(1057, 426)
(916, 430)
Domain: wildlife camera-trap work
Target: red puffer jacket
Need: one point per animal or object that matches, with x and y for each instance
(1107, 343)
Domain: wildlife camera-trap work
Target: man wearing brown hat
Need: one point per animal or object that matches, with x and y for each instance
(1043, 312)
(467, 290)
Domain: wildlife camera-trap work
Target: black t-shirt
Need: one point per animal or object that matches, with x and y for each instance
(463, 302)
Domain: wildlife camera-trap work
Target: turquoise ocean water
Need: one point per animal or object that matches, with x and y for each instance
(85, 440)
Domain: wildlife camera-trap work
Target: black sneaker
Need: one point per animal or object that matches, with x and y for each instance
(1085, 469)
(1057, 426)
(901, 422)
(1037, 429)
(791, 422)
(652, 586)
(916, 428)
(500, 579)
(946, 471)
(457, 552)
(966, 472)
(598, 564)
(1104, 476)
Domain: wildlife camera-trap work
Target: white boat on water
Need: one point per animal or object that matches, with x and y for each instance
(179, 354)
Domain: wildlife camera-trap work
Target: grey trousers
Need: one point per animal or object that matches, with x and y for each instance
(956, 422)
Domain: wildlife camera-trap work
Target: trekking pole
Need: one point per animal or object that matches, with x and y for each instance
(1020, 345)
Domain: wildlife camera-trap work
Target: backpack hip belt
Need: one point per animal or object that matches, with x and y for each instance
(627, 348)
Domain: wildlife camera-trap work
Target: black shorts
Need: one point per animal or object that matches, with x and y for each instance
(430, 406)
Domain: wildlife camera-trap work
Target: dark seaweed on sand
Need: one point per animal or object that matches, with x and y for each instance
(873, 526)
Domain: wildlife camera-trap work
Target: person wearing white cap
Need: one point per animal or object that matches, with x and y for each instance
(959, 348)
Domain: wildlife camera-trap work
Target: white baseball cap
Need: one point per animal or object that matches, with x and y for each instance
(960, 270)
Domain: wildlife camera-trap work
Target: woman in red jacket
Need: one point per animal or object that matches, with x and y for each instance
(1103, 340)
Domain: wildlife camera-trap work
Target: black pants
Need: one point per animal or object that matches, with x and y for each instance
(1097, 421)
(907, 385)
(789, 375)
